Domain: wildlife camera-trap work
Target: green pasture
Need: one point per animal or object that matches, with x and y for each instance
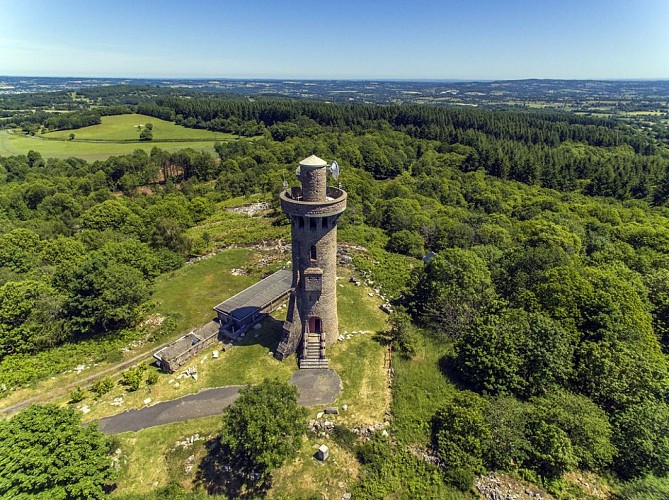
(127, 127)
(113, 128)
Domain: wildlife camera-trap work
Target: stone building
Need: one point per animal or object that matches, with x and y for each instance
(311, 324)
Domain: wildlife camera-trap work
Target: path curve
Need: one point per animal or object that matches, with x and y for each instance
(316, 387)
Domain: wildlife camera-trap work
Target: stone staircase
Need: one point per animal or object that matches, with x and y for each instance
(312, 353)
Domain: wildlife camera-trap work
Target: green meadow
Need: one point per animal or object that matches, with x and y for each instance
(116, 135)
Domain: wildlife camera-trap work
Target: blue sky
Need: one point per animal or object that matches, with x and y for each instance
(449, 39)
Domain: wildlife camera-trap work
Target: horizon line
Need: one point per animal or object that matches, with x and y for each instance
(351, 79)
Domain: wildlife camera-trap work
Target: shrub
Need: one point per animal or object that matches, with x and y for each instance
(102, 386)
(152, 377)
(460, 435)
(77, 395)
(132, 378)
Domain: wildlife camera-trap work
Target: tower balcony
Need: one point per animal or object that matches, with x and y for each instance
(292, 203)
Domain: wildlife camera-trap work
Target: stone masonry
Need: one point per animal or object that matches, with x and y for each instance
(311, 324)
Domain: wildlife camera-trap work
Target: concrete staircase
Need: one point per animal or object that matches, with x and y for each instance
(312, 353)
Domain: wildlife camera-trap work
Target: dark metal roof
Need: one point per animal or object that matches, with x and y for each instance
(258, 296)
(179, 346)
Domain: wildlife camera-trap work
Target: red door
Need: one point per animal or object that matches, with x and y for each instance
(315, 324)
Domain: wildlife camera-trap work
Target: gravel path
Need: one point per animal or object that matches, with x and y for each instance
(316, 387)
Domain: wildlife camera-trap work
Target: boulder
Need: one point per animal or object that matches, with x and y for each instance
(323, 453)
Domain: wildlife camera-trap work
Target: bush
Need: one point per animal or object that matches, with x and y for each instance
(77, 395)
(646, 488)
(461, 435)
(152, 377)
(102, 387)
(132, 378)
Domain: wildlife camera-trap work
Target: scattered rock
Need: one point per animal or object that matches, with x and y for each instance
(85, 409)
(333, 410)
(214, 354)
(344, 407)
(346, 496)
(319, 415)
(257, 326)
(251, 209)
(147, 401)
(117, 401)
(80, 368)
(502, 487)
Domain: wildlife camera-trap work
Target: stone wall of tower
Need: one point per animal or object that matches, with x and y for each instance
(314, 209)
(322, 303)
(320, 238)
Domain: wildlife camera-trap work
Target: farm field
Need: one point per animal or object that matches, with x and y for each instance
(113, 128)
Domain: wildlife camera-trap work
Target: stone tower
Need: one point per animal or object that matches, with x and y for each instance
(311, 324)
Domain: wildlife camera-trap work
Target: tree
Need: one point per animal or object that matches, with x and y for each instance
(642, 437)
(260, 431)
(45, 452)
(454, 287)
(402, 335)
(18, 250)
(147, 133)
(515, 352)
(29, 317)
(461, 435)
(103, 294)
(407, 242)
(586, 425)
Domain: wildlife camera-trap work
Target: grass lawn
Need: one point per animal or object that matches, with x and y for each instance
(306, 477)
(225, 228)
(112, 128)
(152, 460)
(127, 127)
(188, 294)
(18, 144)
(419, 389)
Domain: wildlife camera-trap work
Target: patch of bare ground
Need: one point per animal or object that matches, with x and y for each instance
(590, 483)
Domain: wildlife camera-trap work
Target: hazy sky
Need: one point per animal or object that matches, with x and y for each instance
(419, 39)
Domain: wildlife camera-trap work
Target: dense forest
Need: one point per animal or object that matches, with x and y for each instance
(549, 279)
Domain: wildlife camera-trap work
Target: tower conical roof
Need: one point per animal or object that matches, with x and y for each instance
(313, 161)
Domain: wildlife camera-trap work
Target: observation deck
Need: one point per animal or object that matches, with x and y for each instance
(293, 203)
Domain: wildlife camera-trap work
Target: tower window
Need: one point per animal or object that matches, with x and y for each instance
(325, 222)
(312, 252)
(312, 223)
(300, 222)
